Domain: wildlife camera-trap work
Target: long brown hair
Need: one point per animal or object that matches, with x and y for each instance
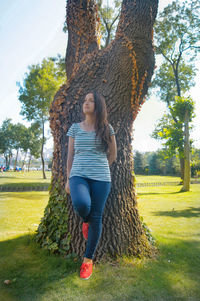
(101, 123)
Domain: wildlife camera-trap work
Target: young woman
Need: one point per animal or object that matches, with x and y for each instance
(91, 150)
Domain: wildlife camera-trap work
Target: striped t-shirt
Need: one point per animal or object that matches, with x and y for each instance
(88, 161)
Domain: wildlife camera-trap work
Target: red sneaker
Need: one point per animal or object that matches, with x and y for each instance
(85, 228)
(86, 270)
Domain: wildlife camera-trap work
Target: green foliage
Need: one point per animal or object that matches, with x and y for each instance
(6, 137)
(35, 142)
(181, 106)
(52, 233)
(177, 32)
(148, 231)
(37, 93)
(108, 17)
(161, 163)
(39, 87)
(170, 127)
(154, 166)
(171, 133)
(165, 80)
(138, 163)
(19, 137)
(177, 29)
(195, 163)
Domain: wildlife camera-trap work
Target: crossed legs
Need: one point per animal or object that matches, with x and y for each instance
(89, 198)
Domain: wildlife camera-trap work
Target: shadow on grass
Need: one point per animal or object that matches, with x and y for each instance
(23, 195)
(7, 177)
(154, 193)
(30, 268)
(174, 274)
(190, 212)
(17, 184)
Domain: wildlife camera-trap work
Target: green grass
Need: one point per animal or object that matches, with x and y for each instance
(173, 218)
(32, 178)
(20, 212)
(149, 179)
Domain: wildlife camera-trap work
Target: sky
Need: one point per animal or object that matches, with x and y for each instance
(31, 31)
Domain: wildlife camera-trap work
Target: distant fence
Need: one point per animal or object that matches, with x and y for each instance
(16, 188)
(157, 184)
(164, 183)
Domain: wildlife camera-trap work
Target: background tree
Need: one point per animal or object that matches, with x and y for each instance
(122, 73)
(138, 163)
(171, 133)
(35, 141)
(37, 92)
(109, 15)
(164, 165)
(184, 109)
(19, 140)
(154, 165)
(177, 33)
(195, 163)
(6, 140)
(172, 129)
(24, 143)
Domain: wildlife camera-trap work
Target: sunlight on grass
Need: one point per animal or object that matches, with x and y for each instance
(20, 212)
(24, 177)
(171, 210)
(174, 274)
(152, 178)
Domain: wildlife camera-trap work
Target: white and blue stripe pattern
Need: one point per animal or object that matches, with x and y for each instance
(88, 161)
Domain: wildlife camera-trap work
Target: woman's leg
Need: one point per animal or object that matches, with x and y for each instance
(99, 194)
(80, 195)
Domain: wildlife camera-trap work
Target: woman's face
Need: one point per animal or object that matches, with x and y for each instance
(89, 104)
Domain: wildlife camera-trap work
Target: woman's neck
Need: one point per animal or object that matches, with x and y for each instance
(89, 120)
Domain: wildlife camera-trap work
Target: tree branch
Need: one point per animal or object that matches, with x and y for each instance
(134, 17)
(114, 20)
(81, 25)
(171, 62)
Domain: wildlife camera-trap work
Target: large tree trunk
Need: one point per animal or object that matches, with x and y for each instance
(122, 73)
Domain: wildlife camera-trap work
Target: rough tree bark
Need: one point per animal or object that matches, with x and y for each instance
(122, 73)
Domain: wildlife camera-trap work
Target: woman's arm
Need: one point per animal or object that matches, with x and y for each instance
(112, 150)
(70, 155)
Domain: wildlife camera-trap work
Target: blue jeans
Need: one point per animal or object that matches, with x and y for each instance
(89, 197)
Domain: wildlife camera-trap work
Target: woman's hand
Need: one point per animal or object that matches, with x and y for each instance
(67, 189)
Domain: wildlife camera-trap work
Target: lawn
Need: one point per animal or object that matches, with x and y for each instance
(32, 178)
(173, 218)
(152, 178)
(25, 178)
